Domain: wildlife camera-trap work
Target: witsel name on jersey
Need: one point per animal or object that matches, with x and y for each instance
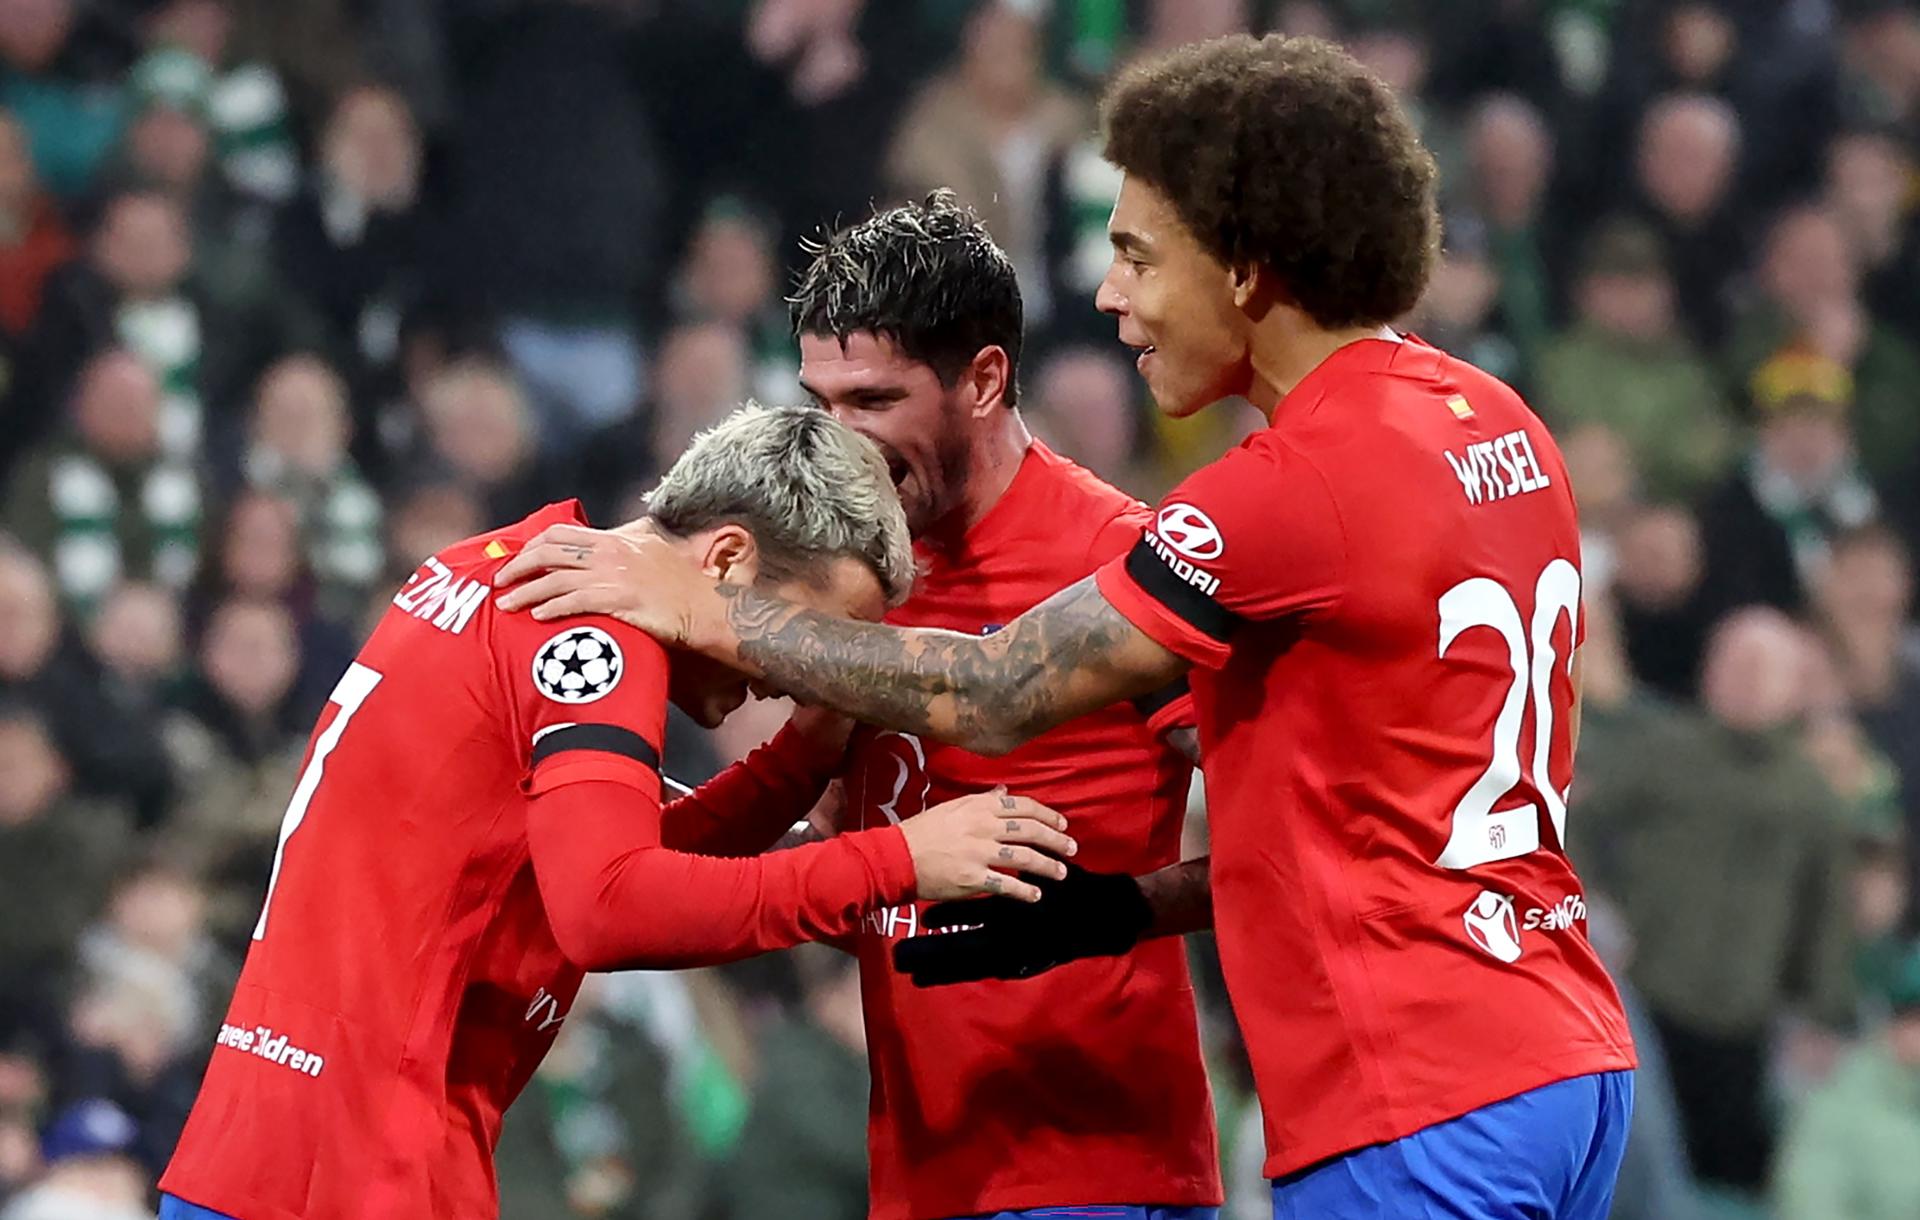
(433, 595)
(1493, 470)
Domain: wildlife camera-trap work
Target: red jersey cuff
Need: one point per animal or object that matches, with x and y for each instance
(1159, 623)
(1176, 714)
(884, 851)
(579, 766)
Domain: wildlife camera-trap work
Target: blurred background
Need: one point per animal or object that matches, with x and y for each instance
(295, 292)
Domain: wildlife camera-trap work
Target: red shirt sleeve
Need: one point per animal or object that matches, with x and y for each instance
(619, 900)
(1170, 707)
(587, 700)
(746, 808)
(1255, 535)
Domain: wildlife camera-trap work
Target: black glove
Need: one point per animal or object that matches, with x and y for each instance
(1085, 914)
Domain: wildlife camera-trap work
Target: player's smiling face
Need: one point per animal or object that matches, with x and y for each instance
(1175, 305)
(708, 692)
(898, 403)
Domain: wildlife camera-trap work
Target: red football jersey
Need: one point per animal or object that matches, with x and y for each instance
(1112, 1100)
(1381, 595)
(405, 976)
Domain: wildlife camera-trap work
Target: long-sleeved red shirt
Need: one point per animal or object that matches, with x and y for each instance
(593, 867)
(477, 820)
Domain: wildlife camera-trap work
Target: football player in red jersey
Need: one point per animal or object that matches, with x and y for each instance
(478, 822)
(909, 326)
(1378, 598)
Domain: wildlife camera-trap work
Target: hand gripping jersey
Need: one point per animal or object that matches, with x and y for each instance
(480, 792)
(1381, 595)
(1085, 1084)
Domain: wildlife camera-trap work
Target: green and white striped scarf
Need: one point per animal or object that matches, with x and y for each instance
(88, 505)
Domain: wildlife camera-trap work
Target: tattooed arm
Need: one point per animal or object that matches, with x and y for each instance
(1070, 655)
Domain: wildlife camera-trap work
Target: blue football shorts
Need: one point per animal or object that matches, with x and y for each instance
(1107, 1211)
(1551, 1153)
(174, 1208)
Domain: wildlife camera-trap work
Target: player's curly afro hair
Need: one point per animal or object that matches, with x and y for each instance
(1286, 152)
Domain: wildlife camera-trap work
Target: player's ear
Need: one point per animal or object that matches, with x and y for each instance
(1256, 289)
(731, 554)
(1245, 280)
(987, 378)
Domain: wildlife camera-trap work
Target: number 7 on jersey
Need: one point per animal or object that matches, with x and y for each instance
(349, 693)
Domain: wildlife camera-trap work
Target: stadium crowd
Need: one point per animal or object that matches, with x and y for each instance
(292, 295)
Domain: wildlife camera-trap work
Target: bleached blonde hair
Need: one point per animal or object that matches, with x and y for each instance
(806, 486)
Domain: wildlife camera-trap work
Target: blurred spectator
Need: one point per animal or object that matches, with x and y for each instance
(804, 1151)
(109, 499)
(1461, 310)
(702, 377)
(1172, 22)
(1487, 47)
(1510, 153)
(1627, 364)
(34, 239)
(426, 520)
(155, 925)
(153, 982)
(70, 108)
(1767, 530)
(91, 1170)
(556, 221)
(246, 106)
(1605, 482)
(1729, 796)
(1809, 295)
(988, 128)
(136, 288)
(1655, 1182)
(1865, 604)
(729, 276)
(1688, 150)
(1081, 185)
(137, 638)
(1767, 60)
(594, 1134)
(1387, 39)
(31, 664)
(354, 241)
(237, 757)
(300, 432)
(58, 854)
(1084, 407)
(127, 291)
(259, 557)
(1869, 196)
(41, 668)
(1880, 51)
(169, 146)
(700, 374)
(480, 429)
(315, 48)
(1866, 783)
(390, 439)
(130, 660)
(23, 1095)
(1849, 1154)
